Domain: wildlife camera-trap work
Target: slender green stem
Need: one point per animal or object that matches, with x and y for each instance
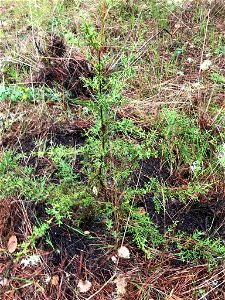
(102, 117)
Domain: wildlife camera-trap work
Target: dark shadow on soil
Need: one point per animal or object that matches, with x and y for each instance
(53, 137)
(206, 215)
(69, 245)
(150, 168)
(203, 216)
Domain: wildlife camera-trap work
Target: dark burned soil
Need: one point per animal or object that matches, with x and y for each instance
(206, 215)
(73, 255)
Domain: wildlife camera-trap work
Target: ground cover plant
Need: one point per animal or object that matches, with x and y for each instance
(112, 149)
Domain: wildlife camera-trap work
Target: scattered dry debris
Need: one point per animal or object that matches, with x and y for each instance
(66, 69)
(55, 280)
(121, 284)
(12, 244)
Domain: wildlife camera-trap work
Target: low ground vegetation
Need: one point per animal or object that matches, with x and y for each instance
(112, 150)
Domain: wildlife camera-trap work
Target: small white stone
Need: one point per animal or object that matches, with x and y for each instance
(114, 259)
(84, 286)
(175, 2)
(221, 155)
(195, 166)
(86, 232)
(123, 252)
(95, 190)
(180, 73)
(32, 260)
(47, 279)
(206, 65)
(4, 281)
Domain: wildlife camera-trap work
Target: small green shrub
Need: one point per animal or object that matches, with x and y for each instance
(198, 247)
(21, 93)
(217, 78)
